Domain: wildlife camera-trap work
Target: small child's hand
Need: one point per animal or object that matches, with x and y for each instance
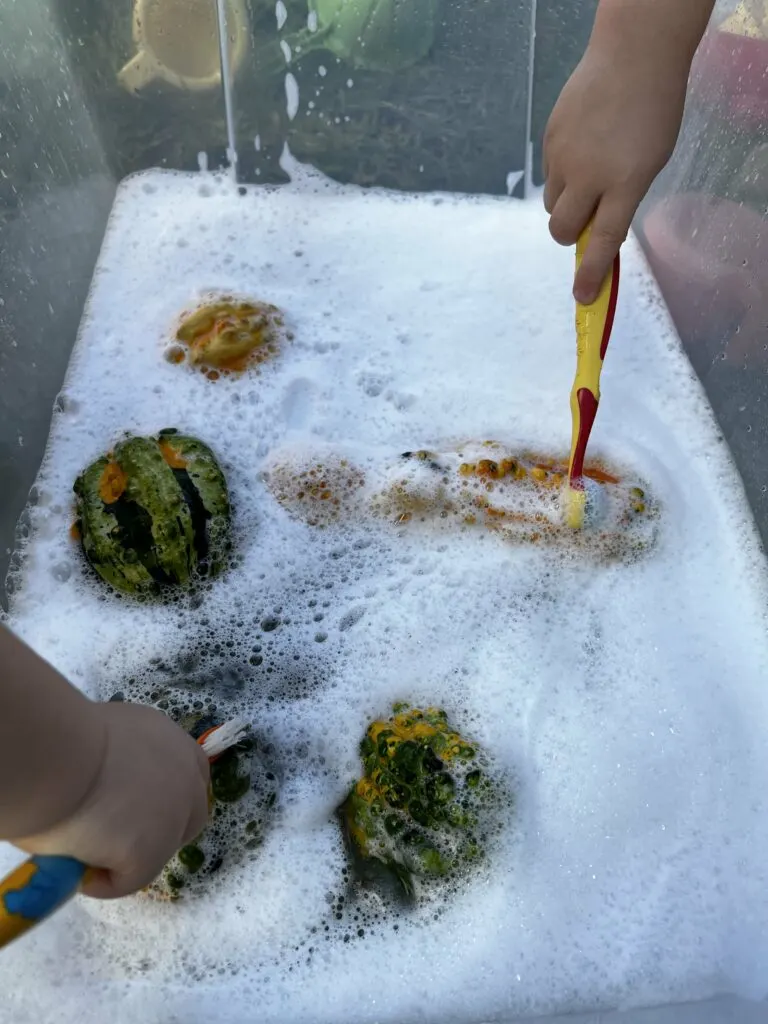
(612, 130)
(149, 799)
(616, 123)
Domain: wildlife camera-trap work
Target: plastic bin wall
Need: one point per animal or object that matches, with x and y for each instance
(704, 227)
(55, 195)
(91, 90)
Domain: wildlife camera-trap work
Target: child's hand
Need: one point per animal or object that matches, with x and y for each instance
(616, 123)
(149, 799)
(612, 130)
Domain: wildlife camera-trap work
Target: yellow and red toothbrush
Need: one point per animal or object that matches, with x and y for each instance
(594, 324)
(43, 884)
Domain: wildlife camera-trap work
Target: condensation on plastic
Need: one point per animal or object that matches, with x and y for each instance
(704, 227)
(455, 120)
(55, 196)
(70, 129)
(562, 33)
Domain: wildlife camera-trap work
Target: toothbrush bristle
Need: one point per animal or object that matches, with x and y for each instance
(225, 736)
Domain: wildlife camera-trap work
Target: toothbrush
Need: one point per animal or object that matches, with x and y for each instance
(42, 884)
(594, 324)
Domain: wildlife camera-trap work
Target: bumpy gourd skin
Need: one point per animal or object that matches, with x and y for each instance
(154, 513)
(228, 335)
(426, 806)
(208, 479)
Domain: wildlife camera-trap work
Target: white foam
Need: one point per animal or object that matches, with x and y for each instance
(628, 707)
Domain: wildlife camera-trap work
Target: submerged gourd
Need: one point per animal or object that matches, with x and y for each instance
(154, 513)
(511, 492)
(244, 794)
(425, 807)
(228, 335)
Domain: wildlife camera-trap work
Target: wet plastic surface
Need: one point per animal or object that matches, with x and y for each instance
(704, 227)
(55, 195)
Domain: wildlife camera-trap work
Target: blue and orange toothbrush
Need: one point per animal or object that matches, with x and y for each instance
(594, 324)
(42, 885)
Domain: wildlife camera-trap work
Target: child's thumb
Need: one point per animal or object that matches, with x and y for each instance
(100, 884)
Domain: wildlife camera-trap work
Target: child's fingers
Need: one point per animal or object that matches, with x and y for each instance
(199, 814)
(113, 885)
(571, 215)
(553, 187)
(611, 224)
(141, 867)
(104, 885)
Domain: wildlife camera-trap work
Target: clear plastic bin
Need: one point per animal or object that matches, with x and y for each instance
(93, 90)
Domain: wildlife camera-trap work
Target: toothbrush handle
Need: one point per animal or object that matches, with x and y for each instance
(43, 884)
(594, 324)
(36, 889)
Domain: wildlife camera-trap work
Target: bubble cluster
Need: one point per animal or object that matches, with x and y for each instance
(424, 807)
(226, 335)
(622, 701)
(516, 495)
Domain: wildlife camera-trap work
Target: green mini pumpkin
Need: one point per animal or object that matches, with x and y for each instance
(426, 806)
(154, 513)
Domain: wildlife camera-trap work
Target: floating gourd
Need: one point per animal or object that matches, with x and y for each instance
(426, 806)
(154, 513)
(514, 494)
(227, 336)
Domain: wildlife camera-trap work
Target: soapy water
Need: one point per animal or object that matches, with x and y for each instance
(517, 496)
(623, 701)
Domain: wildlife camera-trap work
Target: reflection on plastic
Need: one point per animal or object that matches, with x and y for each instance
(705, 230)
(707, 240)
(178, 42)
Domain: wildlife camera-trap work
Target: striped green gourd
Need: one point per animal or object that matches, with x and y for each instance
(154, 513)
